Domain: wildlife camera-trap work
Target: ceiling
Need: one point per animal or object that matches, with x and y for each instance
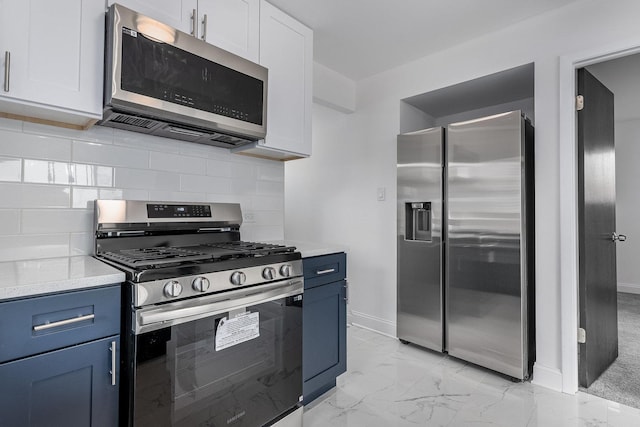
(621, 77)
(360, 38)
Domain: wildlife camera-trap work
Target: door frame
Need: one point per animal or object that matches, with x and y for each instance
(568, 157)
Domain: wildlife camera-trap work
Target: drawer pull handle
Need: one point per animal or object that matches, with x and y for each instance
(7, 69)
(113, 363)
(63, 322)
(330, 270)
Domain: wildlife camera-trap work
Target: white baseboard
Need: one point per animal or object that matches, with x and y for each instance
(630, 288)
(373, 323)
(547, 377)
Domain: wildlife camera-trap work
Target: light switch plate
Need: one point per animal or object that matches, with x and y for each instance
(382, 194)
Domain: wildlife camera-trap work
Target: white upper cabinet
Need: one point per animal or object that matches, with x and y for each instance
(232, 25)
(175, 13)
(51, 58)
(286, 49)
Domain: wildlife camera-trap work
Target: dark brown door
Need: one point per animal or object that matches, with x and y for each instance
(597, 225)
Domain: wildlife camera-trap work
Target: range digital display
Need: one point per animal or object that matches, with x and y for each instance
(178, 211)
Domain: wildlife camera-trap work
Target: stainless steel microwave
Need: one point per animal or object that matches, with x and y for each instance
(164, 82)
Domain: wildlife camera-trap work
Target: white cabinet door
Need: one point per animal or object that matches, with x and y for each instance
(56, 54)
(175, 13)
(286, 49)
(232, 25)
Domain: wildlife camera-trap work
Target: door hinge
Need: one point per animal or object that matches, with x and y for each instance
(579, 102)
(582, 336)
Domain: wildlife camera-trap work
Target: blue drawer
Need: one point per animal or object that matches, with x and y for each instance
(324, 269)
(36, 325)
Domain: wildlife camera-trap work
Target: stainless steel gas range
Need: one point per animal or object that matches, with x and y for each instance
(212, 325)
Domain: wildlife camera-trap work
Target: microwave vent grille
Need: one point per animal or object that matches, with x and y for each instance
(134, 121)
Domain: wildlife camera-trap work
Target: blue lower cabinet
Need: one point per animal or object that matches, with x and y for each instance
(325, 333)
(71, 387)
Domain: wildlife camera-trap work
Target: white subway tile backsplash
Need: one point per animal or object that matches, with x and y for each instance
(271, 218)
(95, 133)
(243, 186)
(47, 172)
(218, 168)
(33, 246)
(269, 187)
(177, 163)
(145, 142)
(50, 177)
(10, 169)
(83, 197)
(243, 170)
(107, 154)
(42, 221)
(271, 172)
(269, 203)
(175, 196)
(146, 179)
(205, 184)
(131, 194)
(34, 146)
(81, 244)
(92, 175)
(9, 221)
(16, 195)
(9, 124)
(111, 194)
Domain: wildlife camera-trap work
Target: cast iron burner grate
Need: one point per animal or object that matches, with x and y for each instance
(154, 256)
(254, 249)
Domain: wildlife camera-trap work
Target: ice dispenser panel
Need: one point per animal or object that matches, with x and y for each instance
(418, 221)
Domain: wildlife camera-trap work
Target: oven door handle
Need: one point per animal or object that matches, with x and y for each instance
(153, 318)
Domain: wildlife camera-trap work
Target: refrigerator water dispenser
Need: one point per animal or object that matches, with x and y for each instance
(418, 221)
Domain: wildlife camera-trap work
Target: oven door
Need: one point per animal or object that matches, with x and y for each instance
(233, 359)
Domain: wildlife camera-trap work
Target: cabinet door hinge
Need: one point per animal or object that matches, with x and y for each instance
(579, 102)
(582, 336)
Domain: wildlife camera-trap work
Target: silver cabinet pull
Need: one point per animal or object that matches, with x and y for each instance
(7, 69)
(63, 322)
(204, 28)
(330, 270)
(618, 237)
(194, 23)
(113, 363)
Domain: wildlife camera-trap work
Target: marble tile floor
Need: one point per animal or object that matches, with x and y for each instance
(391, 384)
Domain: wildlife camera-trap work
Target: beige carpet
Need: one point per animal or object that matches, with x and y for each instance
(621, 382)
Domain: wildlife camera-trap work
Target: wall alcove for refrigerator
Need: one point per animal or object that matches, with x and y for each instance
(508, 90)
(465, 247)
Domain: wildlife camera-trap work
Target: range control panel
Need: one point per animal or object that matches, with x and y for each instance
(155, 210)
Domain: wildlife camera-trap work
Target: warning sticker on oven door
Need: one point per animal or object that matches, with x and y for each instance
(237, 330)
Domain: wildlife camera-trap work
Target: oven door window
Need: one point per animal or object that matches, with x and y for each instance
(241, 368)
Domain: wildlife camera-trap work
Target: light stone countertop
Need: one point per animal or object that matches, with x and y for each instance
(311, 249)
(43, 276)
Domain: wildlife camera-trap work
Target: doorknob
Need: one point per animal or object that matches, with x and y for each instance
(618, 237)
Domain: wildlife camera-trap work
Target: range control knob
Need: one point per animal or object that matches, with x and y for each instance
(269, 273)
(172, 289)
(285, 270)
(200, 284)
(238, 278)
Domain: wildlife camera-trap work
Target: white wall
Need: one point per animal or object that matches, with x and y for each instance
(628, 204)
(358, 155)
(49, 176)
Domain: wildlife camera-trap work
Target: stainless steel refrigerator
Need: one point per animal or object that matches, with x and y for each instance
(465, 254)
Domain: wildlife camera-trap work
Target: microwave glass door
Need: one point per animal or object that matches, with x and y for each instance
(202, 372)
(165, 72)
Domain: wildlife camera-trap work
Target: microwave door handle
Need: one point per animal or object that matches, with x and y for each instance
(204, 27)
(194, 23)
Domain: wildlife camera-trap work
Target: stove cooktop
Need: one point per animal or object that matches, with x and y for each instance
(167, 261)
